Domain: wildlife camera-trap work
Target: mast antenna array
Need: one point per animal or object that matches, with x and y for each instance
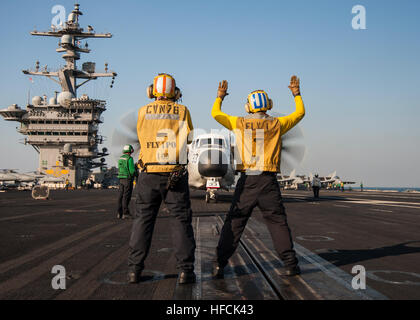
(69, 44)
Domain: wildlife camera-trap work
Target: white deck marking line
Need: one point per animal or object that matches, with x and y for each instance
(250, 273)
(333, 272)
(337, 274)
(401, 204)
(360, 195)
(285, 280)
(241, 260)
(277, 271)
(396, 196)
(275, 257)
(381, 210)
(24, 278)
(58, 244)
(197, 289)
(378, 203)
(386, 201)
(235, 278)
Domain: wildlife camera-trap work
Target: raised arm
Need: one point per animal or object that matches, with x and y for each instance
(288, 122)
(190, 126)
(224, 119)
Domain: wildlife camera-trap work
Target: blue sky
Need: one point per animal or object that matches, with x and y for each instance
(360, 88)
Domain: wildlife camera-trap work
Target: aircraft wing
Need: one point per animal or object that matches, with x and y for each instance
(285, 179)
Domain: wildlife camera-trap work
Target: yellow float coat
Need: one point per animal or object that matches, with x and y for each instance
(258, 136)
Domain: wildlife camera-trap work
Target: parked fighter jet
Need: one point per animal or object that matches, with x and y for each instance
(292, 181)
(12, 179)
(331, 180)
(7, 180)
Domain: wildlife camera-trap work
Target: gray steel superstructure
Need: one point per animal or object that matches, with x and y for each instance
(64, 128)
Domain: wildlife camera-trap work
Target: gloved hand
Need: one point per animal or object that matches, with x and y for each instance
(294, 86)
(222, 91)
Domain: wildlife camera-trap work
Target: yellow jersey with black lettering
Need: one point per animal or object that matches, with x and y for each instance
(163, 127)
(258, 136)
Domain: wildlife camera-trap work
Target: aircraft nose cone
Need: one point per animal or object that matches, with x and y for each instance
(212, 163)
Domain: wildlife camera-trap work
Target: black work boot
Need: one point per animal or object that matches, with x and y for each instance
(218, 271)
(133, 277)
(186, 277)
(119, 215)
(290, 271)
(290, 263)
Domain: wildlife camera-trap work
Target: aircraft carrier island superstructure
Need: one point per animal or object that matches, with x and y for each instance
(64, 128)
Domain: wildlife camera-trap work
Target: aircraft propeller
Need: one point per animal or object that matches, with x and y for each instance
(292, 154)
(126, 134)
(293, 148)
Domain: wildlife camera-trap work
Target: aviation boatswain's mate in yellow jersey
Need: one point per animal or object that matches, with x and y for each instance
(258, 139)
(162, 128)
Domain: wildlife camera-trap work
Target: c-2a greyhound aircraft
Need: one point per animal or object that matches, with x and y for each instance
(211, 164)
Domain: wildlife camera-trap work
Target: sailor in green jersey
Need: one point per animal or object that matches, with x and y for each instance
(126, 173)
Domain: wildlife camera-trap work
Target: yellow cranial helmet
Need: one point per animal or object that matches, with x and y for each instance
(164, 86)
(258, 101)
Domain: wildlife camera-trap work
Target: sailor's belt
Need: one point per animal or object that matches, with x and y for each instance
(163, 174)
(156, 167)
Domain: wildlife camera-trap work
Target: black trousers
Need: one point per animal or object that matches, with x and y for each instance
(262, 191)
(316, 192)
(124, 197)
(151, 191)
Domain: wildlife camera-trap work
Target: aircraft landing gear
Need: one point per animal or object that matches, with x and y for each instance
(211, 195)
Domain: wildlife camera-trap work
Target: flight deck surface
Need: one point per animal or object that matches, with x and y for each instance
(79, 230)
